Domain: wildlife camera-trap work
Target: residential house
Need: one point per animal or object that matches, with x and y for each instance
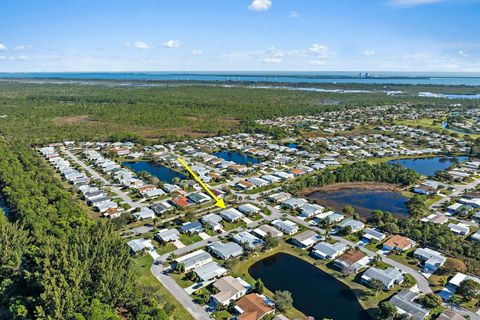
(226, 250)
(398, 243)
(405, 303)
(231, 215)
(306, 239)
(161, 207)
(355, 225)
(373, 234)
(194, 260)
(210, 271)
(253, 307)
(249, 209)
(450, 315)
(144, 213)
(138, 245)
(244, 185)
(265, 229)
(229, 288)
(167, 235)
(352, 261)
(248, 239)
(293, 203)
(309, 210)
(279, 197)
(459, 228)
(432, 260)
(199, 197)
(325, 250)
(258, 182)
(192, 227)
(389, 277)
(213, 220)
(286, 226)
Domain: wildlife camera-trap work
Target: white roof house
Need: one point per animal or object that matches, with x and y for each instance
(265, 229)
(226, 250)
(248, 239)
(459, 228)
(167, 235)
(354, 224)
(286, 226)
(325, 250)
(309, 210)
(476, 236)
(294, 203)
(144, 213)
(229, 288)
(210, 271)
(389, 277)
(432, 259)
(194, 259)
(231, 215)
(248, 209)
(372, 234)
(306, 239)
(460, 277)
(137, 245)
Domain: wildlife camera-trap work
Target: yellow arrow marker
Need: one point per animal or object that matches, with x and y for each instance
(218, 202)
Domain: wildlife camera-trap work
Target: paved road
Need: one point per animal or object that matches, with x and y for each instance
(179, 293)
(122, 195)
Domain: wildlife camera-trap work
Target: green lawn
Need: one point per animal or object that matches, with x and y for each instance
(227, 226)
(164, 248)
(405, 259)
(146, 279)
(181, 279)
(187, 239)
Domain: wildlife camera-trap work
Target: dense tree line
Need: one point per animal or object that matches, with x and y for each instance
(56, 263)
(357, 172)
(432, 235)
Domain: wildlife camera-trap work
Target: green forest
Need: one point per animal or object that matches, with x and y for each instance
(41, 113)
(55, 262)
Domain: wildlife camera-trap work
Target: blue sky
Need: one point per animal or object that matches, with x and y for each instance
(239, 35)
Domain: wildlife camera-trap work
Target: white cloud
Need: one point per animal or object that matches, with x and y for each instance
(318, 62)
(23, 47)
(142, 45)
(3, 47)
(172, 44)
(197, 52)
(19, 58)
(369, 53)
(412, 3)
(320, 50)
(3, 58)
(462, 53)
(294, 14)
(272, 60)
(260, 5)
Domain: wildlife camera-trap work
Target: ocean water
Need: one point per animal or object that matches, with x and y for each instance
(468, 79)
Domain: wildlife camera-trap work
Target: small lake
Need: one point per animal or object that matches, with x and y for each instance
(363, 200)
(236, 157)
(163, 173)
(314, 292)
(428, 166)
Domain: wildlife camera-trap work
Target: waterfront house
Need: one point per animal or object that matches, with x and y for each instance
(194, 260)
(352, 261)
(293, 203)
(248, 239)
(265, 229)
(226, 250)
(355, 225)
(279, 197)
(325, 250)
(209, 271)
(398, 243)
(253, 307)
(286, 226)
(373, 234)
(309, 210)
(229, 288)
(306, 239)
(389, 277)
